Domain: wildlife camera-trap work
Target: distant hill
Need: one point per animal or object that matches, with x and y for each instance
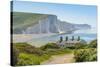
(32, 23)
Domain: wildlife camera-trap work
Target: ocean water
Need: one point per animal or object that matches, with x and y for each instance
(88, 37)
(42, 39)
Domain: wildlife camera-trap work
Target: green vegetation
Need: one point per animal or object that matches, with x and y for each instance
(54, 49)
(93, 44)
(86, 52)
(30, 55)
(58, 51)
(15, 55)
(83, 55)
(26, 54)
(80, 46)
(50, 46)
(26, 48)
(31, 59)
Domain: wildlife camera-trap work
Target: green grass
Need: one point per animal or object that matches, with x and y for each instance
(30, 55)
(58, 51)
(31, 59)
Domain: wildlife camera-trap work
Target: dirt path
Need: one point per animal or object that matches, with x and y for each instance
(60, 59)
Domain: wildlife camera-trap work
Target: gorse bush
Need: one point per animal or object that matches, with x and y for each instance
(50, 46)
(80, 46)
(57, 51)
(31, 59)
(86, 52)
(28, 59)
(29, 55)
(26, 48)
(93, 44)
(82, 55)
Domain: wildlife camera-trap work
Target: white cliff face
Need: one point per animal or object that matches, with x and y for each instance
(52, 25)
(49, 24)
(46, 25)
(64, 27)
(32, 29)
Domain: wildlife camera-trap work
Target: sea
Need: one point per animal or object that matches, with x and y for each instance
(41, 39)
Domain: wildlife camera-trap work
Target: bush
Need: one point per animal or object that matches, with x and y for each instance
(26, 48)
(28, 59)
(28, 55)
(15, 55)
(80, 46)
(82, 55)
(50, 46)
(57, 51)
(31, 59)
(93, 44)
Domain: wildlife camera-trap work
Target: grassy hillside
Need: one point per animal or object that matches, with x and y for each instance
(23, 20)
(26, 54)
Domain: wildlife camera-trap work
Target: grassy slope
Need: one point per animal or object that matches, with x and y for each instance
(23, 20)
(37, 55)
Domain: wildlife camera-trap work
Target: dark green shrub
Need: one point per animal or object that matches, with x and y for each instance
(26, 48)
(31, 59)
(50, 46)
(80, 46)
(15, 55)
(82, 55)
(93, 44)
(28, 59)
(57, 51)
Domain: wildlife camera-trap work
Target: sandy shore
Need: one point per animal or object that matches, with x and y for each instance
(28, 37)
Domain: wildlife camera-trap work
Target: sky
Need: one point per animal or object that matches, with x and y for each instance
(78, 14)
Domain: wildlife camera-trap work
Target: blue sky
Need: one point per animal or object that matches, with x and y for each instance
(79, 14)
